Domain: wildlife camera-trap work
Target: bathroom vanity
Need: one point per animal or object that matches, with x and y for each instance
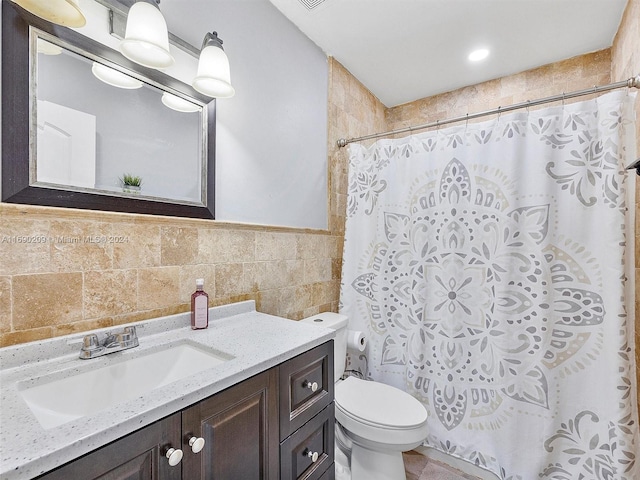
(265, 411)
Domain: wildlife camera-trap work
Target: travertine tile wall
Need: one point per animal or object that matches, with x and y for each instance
(353, 112)
(64, 271)
(625, 63)
(568, 75)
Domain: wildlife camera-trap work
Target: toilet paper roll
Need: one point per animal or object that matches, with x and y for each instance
(356, 340)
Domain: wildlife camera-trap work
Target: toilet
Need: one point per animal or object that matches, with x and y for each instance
(375, 422)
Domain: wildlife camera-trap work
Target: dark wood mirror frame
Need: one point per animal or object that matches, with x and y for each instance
(16, 124)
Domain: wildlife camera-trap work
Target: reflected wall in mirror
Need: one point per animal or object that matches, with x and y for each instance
(80, 136)
(91, 133)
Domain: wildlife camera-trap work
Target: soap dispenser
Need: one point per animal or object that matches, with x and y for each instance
(199, 307)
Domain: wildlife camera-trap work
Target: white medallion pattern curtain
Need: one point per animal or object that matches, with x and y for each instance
(490, 266)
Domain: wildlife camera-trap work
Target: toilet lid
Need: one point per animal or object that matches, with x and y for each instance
(376, 403)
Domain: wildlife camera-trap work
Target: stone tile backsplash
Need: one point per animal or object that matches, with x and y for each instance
(64, 270)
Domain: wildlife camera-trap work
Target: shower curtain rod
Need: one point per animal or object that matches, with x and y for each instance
(633, 82)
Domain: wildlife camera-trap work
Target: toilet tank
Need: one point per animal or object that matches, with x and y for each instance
(337, 322)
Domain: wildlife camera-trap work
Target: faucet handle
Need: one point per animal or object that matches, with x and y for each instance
(130, 331)
(90, 342)
(90, 346)
(129, 336)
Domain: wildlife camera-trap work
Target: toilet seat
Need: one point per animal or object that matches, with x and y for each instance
(378, 405)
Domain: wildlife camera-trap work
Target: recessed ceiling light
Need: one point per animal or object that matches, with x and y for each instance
(479, 54)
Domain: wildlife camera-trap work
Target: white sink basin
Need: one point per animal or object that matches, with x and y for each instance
(59, 400)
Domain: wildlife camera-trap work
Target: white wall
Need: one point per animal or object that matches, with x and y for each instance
(271, 152)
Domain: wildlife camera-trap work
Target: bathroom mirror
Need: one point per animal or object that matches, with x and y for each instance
(72, 138)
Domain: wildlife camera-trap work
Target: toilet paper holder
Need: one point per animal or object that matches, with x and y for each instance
(356, 340)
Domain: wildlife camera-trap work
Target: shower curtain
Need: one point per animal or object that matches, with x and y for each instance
(490, 266)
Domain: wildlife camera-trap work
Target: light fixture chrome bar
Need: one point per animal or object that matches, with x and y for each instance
(633, 82)
(118, 10)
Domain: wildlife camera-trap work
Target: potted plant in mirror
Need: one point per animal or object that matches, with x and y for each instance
(131, 183)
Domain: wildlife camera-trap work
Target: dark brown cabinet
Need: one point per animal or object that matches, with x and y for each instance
(278, 424)
(138, 456)
(307, 415)
(240, 430)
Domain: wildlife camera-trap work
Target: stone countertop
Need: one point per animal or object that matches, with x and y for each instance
(256, 342)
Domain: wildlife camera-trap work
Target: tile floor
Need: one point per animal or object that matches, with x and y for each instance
(419, 467)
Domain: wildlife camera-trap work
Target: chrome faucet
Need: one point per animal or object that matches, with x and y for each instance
(113, 342)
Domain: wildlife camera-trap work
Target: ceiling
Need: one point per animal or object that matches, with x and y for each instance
(403, 50)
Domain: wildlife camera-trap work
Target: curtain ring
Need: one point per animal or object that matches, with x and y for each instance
(528, 105)
(563, 97)
(466, 124)
(499, 112)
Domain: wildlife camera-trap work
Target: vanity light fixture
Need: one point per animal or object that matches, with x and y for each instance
(61, 12)
(114, 78)
(146, 39)
(179, 104)
(213, 78)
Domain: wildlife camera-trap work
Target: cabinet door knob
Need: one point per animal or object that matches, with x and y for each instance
(312, 385)
(196, 444)
(174, 455)
(312, 455)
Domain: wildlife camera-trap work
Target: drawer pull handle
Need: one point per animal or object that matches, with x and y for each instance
(196, 444)
(312, 385)
(174, 456)
(312, 455)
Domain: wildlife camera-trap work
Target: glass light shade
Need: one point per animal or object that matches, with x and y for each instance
(114, 78)
(146, 39)
(61, 12)
(179, 104)
(213, 78)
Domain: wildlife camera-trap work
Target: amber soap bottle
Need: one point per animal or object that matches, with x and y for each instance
(199, 307)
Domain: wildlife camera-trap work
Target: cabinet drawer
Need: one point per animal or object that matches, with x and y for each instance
(330, 474)
(316, 436)
(298, 402)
